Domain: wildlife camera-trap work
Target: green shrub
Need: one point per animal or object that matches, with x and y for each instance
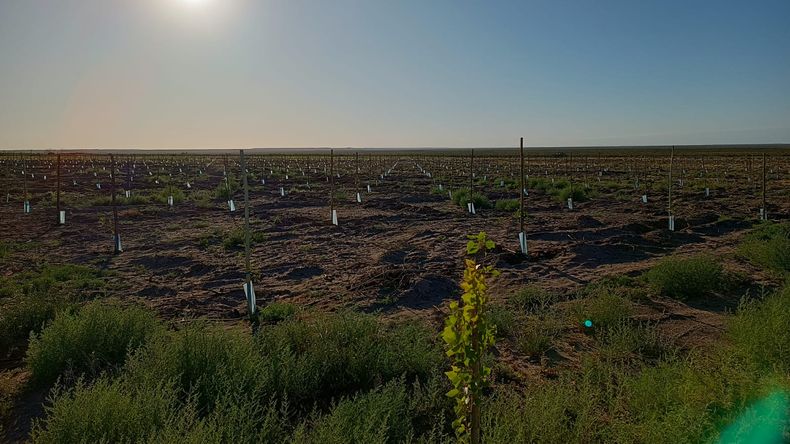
(327, 355)
(537, 333)
(620, 285)
(25, 314)
(205, 363)
(202, 198)
(234, 238)
(161, 197)
(461, 198)
(380, 416)
(628, 341)
(503, 319)
(576, 192)
(5, 249)
(760, 330)
(438, 191)
(276, 312)
(120, 200)
(96, 338)
(107, 411)
(539, 183)
(32, 298)
(508, 205)
(221, 192)
(604, 309)
(533, 299)
(768, 246)
(684, 278)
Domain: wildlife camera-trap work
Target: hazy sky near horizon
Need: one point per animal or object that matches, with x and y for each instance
(370, 73)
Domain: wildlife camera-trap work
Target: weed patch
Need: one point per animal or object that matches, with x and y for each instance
(685, 278)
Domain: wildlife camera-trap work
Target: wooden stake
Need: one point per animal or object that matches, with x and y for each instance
(669, 191)
(765, 210)
(116, 244)
(57, 199)
(471, 174)
(247, 267)
(331, 184)
(521, 191)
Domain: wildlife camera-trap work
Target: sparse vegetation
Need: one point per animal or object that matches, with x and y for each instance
(235, 238)
(686, 277)
(461, 198)
(768, 246)
(276, 312)
(33, 298)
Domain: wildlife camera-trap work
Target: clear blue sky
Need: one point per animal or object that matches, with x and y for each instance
(293, 73)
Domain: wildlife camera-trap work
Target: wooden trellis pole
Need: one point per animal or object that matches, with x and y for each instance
(116, 235)
(57, 199)
(522, 233)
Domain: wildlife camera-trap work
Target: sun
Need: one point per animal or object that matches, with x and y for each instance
(195, 3)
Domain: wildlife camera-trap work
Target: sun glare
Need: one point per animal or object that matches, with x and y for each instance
(195, 2)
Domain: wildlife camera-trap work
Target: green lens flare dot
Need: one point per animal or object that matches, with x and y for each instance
(588, 323)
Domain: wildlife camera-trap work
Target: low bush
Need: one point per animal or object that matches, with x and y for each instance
(210, 384)
(379, 416)
(760, 330)
(533, 299)
(536, 334)
(768, 246)
(503, 319)
(577, 193)
(5, 249)
(461, 198)
(202, 198)
(326, 355)
(508, 205)
(31, 299)
(226, 190)
(107, 411)
(276, 312)
(438, 191)
(235, 238)
(120, 200)
(204, 363)
(161, 197)
(686, 277)
(620, 285)
(96, 338)
(605, 310)
(629, 341)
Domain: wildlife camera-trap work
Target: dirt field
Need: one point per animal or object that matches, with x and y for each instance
(400, 250)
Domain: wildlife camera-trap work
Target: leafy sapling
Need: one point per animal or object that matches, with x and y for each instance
(468, 334)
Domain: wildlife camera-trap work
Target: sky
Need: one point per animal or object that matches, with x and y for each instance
(392, 73)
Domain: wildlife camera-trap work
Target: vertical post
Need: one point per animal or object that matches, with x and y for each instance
(471, 174)
(521, 191)
(227, 181)
(669, 190)
(57, 198)
(331, 183)
(522, 234)
(25, 172)
(116, 235)
(765, 210)
(250, 292)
